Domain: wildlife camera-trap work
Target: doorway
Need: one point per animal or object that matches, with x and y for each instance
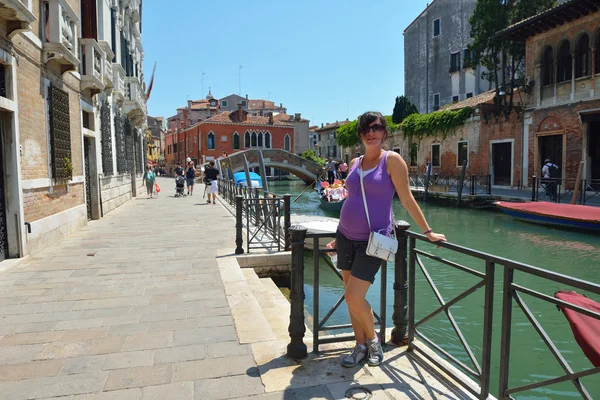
(594, 151)
(502, 163)
(551, 147)
(88, 188)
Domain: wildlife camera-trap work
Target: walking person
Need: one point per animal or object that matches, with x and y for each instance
(330, 167)
(211, 175)
(190, 176)
(383, 173)
(343, 170)
(149, 180)
(549, 175)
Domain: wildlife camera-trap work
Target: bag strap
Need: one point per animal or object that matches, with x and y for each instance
(362, 187)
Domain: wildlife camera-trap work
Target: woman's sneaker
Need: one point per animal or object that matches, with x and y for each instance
(358, 354)
(375, 352)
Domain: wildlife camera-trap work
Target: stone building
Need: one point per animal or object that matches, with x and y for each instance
(59, 109)
(562, 113)
(327, 145)
(437, 64)
(301, 132)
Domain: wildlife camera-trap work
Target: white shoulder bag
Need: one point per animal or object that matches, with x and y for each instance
(380, 246)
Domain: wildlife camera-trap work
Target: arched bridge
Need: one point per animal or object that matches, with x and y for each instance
(304, 169)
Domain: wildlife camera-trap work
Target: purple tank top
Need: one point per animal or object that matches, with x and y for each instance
(379, 191)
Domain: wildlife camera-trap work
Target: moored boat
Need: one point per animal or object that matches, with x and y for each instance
(330, 203)
(560, 215)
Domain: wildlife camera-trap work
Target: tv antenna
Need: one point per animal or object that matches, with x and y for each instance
(204, 73)
(240, 78)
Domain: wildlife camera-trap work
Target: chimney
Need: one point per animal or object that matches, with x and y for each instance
(280, 105)
(240, 113)
(321, 124)
(190, 104)
(270, 118)
(246, 97)
(297, 116)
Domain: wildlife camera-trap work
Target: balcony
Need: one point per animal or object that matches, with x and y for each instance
(93, 62)
(118, 81)
(17, 14)
(60, 43)
(108, 69)
(135, 100)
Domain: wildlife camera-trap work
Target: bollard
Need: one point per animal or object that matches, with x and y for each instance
(239, 241)
(533, 187)
(400, 315)
(287, 220)
(296, 349)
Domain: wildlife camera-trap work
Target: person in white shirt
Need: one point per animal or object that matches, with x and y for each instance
(549, 171)
(330, 167)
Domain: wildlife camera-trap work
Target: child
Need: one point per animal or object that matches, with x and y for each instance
(149, 179)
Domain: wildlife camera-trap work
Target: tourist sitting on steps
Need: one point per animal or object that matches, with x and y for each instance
(384, 172)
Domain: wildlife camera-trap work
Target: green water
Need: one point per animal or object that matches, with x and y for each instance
(570, 253)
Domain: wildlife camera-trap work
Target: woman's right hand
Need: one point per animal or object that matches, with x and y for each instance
(329, 246)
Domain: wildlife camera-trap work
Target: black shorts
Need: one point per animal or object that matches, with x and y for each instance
(352, 256)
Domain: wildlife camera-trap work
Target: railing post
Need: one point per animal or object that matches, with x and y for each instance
(472, 185)
(400, 315)
(239, 241)
(489, 188)
(488, 313)
(427, 177)
(296, 349)
(461, 183)
(533, 187)
(287, 220)
(506, 332)
(582, 193)
(559, 185)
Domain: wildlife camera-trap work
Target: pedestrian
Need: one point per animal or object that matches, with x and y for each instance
(337, 170)
(178, 170)
(190, 176)
(149, 180)
(383, 174)
(343, 170)
(549, 175)
(223, 154)
(330, 167)
(211, 175)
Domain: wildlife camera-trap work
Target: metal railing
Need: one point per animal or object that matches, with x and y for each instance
(560, 190)
(263, 212)
(473, 184)
(406, 325)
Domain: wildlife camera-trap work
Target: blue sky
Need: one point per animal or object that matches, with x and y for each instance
(325, 59)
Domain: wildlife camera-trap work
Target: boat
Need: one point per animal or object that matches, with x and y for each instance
(240, 179)
(552, 214)
(333, 204)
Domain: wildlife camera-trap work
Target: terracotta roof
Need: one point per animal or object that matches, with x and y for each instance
(332, 126)
(258, 104)
(225, 117)
(486, 97)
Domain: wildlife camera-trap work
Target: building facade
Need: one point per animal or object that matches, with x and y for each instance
(301, 131)
(437, 64)
(327, 145)
(74, 81)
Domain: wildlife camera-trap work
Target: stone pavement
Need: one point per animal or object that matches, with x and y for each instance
(149, 303)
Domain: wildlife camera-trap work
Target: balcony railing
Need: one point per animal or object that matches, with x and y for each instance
(118, 81)
(93, 63)
(19, 12)
(135, 101)
(108, 69)
(61, 35)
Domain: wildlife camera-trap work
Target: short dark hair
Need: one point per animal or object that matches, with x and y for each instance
(211, 163)
(367, 119)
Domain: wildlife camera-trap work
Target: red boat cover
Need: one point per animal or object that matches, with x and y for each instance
(565, 211)
(585, 329)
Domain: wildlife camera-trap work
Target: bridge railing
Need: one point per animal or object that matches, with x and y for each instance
(495, 276)
(262, 212)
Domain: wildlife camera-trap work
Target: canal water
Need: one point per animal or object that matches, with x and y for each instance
(570, 253)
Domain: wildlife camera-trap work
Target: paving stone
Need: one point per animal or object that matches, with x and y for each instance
(126, 394)
(147, 341)
(176, 325)
(79, 324)
(82, 365)
(35, 369)
(62, 385)
(105, 313)
(105, 345)
(20, 309)
(63, 350)
(228, 387)
(138, 377)
(60, 316)
(19, 354)
(213, 368)
(84, 334)
(60, 306)
(128, 329)
(129, 360)
(165, 316)
(179, 354)
(226, 349)
(20, 319)
(209, 322)
(121, 320)
(27, 328)
(179, 391)
(205, 335)
(208, 312)
(109, 303)
(29, 338)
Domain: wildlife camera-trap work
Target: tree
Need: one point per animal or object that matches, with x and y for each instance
(402, 109)
(347, 135)
(310, 155)
(501, 58)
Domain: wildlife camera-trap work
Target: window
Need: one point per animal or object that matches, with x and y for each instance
(334, 155)
(287, 143)
(469, 95)
(244, 103)
(236, 141)
(467, 58)
(455, 99)
(583, 61)
(454, 62)
(435, 155)
(547, 67)
(253, 142)
(174, 147)
(2, 80)
(564, 62)
(436, 27)
(224, 103)
(463, 153)
(60, 133)
(436, 102)
(414, 149)
(86, 120)
(268, 140)
(260, 139)
(247, 140)
(211, 141)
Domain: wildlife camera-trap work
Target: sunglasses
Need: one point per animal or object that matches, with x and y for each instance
(377, 128)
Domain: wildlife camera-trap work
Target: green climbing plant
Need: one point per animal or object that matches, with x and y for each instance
(312, 156)
(68, 165)
(445, 122)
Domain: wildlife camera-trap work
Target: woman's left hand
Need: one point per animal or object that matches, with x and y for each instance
(436, 237)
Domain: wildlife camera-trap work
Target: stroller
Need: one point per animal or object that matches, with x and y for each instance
(179, 186)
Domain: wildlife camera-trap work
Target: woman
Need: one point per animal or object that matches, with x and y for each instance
(190, 175)
(149, 180)
(384, 172)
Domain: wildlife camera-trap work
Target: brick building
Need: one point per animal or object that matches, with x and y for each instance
(58, 111)
(562, 114)
(230, 131)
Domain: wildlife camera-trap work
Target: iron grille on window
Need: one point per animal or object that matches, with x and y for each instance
(107, 157)
(2, 80)
(60, 135)
(145, 152)
(120, 142)
(128, 144)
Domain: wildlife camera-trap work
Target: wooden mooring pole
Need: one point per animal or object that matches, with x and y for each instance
(400, 315)
(578, 183)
